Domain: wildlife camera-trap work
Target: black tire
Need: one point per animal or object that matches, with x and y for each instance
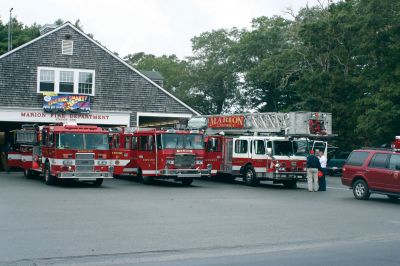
(393, 198)
(361, 190)
(187, 181)
(290, 184)
(250, 177)
(48, 178)
(98, 182)
(147, 180)
(28, 173)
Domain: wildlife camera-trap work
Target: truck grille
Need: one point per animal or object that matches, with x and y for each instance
(185, 160)
(84, 162)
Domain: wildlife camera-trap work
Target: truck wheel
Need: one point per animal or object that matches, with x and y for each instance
(361, 190)
(28, 173)
(144, 179)
(250, 177)
(98, 182)
(48, 178)
(290, 184)
(187, 181)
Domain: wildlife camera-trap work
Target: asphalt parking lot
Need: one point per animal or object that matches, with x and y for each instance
(125, 222)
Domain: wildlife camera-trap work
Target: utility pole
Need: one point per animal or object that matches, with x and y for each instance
(9, 32)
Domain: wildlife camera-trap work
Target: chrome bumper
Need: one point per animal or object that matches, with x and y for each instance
(182, 173)
(85, 175)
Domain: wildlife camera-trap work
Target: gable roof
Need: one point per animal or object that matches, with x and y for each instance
(107, 51)
(152, 74)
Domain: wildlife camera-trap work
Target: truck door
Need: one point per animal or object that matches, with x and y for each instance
(394, 166)
(213, 154)
(146, 155)
(378, 173)
(241, 154)
(259, 156)
(227, 153)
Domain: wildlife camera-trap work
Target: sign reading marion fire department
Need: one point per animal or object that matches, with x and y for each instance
(235, 121)
(66, 103)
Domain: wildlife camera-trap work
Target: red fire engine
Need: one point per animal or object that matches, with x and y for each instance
(262, 146)
(159, 154)
(66, 152)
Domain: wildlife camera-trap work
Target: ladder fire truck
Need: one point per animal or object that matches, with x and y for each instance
(263, 146)
(159, 154)
(66, 152)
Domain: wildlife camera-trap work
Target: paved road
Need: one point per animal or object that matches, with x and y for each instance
(209, 223)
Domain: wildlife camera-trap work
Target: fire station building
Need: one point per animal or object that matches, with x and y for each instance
(66, 76)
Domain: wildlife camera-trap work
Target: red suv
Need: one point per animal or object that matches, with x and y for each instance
(372, 171)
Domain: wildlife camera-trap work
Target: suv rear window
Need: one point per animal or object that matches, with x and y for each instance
(357, 158)
(379, 161)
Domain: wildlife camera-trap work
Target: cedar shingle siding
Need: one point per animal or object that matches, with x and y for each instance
(117, 87)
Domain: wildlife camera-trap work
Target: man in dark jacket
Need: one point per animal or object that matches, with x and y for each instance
(313, 165)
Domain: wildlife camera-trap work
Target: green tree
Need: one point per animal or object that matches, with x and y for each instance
(20, 34)
(215, 81)
(175, 71)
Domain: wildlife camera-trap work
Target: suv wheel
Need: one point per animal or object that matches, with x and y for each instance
(361, 190)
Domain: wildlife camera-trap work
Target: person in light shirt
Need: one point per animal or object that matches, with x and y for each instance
(322, 180)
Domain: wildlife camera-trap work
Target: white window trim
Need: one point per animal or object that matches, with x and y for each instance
(57, 80)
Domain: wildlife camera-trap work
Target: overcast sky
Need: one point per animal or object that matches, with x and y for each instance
(152, 26)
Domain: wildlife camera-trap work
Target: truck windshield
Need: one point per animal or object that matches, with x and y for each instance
(182, 141)
(283, 147)
(78, 141)
(300, 147)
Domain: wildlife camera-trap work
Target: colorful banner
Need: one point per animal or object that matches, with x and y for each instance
(66, 103)
(236, 121)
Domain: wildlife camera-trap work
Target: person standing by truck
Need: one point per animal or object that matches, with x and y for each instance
(313, 165)
(322, 180)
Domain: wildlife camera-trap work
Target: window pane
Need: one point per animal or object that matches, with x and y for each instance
(66, 81)
(47, 75)
(45, 86)
(241, 146)
(46, 80)
(379, 160)
(259, 147)
(357, 158)
(394, 163)
(85, 82)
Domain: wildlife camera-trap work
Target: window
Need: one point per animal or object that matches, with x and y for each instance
(394, 162)
(50, 143)
(241, 146)
(127, 142)
(379, 160)
(46, 80)
(146, 143)
(67, 81)
(259, 147)
(67, 47)
(134, 143)
(115, 142)
(85, 83)
(213, 144)
(357, 158)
